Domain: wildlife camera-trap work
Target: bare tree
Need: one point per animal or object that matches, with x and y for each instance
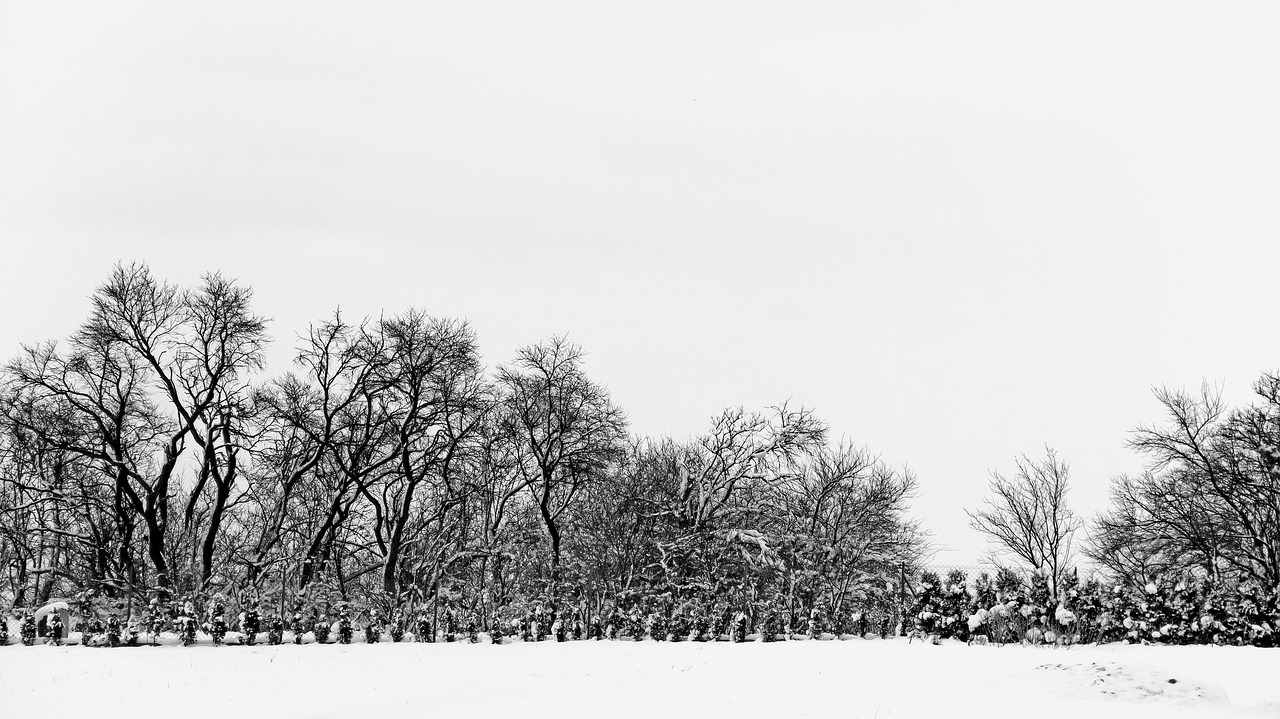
(1155, 528)
(742, 448)
(1210, 498)
(215, 364)
(713, 492)
(56, 520)
(616, 521)
(564, 426)
(154, 367)
(847, 514)
(348, 426)
(434, 388)
(1027, 517)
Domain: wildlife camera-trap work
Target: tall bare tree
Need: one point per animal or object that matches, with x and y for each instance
(565, 427)
(846, 515)
(432, 379)
(153, 368)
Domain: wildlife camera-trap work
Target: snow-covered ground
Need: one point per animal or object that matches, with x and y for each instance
(856, 678)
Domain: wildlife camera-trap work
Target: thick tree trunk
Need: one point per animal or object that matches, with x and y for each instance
(553, 532)
(317, 548)
(155, 552)
(221, 494)
(224, 478)
(395, 545)
(390, 576)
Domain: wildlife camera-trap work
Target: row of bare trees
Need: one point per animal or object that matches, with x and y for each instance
(1208, 503)
(151, 454)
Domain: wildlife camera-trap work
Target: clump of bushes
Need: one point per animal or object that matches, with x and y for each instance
(1008, 608)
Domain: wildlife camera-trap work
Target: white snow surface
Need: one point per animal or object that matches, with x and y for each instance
(854, 678)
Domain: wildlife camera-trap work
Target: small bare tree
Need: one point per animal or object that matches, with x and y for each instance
(1027, 516)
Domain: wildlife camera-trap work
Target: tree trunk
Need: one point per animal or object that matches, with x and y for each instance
(553, 532)
(389, 573)
(155, 551)
(221, 493)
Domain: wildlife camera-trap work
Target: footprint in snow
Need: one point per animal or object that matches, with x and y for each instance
(1121, 681)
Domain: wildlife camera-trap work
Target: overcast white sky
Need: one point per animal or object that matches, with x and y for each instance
(958, 230)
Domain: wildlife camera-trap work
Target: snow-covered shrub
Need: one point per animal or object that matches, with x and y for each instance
(815, 623)
(1065, 625)
(637, 623)
(1259, 615)
(218, 629)
(249, 624)
(275, 632)
(679, 627)
(984, 591)
(1005, 623)
(655, 627)
(321, 629)
(422, 631)
(739, 633)
(926, 611)
(700, 626)
(956, 605)
(396, 627)
(28, 630)
(768, 626)
(113, 631)
(1008, 584)
(187, 630)
(55, 628)
(343, 627)
(977, 623)
(1040, 599)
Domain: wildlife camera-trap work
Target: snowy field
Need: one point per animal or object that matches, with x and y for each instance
(855, 678)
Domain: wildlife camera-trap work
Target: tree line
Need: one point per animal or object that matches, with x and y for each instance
(152, 455)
